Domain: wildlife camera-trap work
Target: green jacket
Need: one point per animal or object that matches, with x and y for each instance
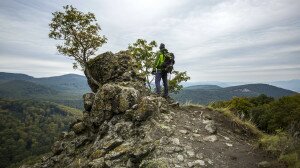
(160, 59)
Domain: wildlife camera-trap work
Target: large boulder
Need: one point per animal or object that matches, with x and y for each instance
(113, 99)
(109, 67)
(147, 106)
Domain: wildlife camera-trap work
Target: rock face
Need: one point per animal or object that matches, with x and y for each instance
(113, 134)
(109, 67)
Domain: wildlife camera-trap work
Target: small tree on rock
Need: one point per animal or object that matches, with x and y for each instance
(80, 35)
(145, 55)
(174, 83)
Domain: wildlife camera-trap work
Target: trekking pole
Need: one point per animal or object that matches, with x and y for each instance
(152, 80)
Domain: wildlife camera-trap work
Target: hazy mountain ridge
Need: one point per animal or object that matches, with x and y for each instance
(206, 96)
(4, 76)
(63, 82)
(293, 85)
(65, 89)
(206, 87)
(70, 82)
(260, 88)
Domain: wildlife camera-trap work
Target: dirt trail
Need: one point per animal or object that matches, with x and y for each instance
(210, 139)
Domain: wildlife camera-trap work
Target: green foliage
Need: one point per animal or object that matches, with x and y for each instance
(29, 128)
(276, 143)
(145, 57)
(268, 114)
(80, 34)
(261, 100)
(174, 83)
(30, 160)
(285, 113)
(292, 159)
(241, 106)
(282, 144)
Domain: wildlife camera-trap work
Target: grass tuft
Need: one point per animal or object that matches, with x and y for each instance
(247, 126)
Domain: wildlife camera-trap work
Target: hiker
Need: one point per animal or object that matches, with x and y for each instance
(163, 65)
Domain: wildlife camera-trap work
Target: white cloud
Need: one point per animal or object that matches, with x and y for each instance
(37, 67)
(212, 40)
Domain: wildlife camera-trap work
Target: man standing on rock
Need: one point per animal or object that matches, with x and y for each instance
(162, 66)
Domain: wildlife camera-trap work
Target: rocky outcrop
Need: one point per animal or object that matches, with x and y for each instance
(118, 128)
(116, 132)
(109, 67)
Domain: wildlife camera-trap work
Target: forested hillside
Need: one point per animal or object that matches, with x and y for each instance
(18, 89)
(29, 128)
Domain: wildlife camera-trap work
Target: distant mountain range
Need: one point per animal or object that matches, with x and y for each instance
(69, 82)
(205, 94)
(293, 85)
(205, 87)
(68, 89)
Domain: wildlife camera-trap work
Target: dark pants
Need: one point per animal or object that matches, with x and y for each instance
(164, 76)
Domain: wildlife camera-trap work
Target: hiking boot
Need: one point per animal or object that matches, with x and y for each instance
(166, 97)
(157, 94)
(169, 99)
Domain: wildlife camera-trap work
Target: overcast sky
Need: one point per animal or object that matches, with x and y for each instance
(214, 40)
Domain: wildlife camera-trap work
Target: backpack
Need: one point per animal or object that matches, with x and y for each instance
(169, 62)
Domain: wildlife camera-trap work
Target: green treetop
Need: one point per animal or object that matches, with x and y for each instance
(80, 35)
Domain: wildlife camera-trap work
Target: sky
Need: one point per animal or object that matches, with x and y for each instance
(213, 40)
